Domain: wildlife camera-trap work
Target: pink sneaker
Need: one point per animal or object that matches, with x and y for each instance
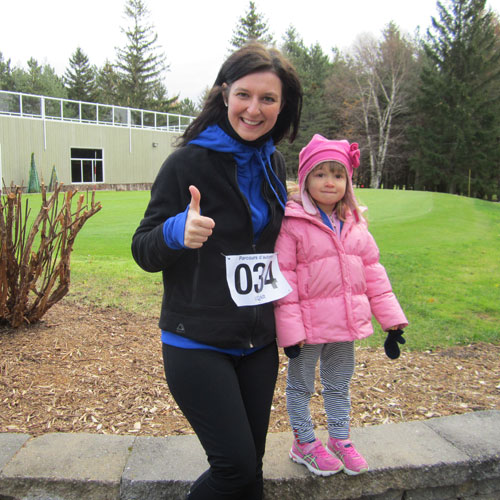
(353, 461)
(315, 458)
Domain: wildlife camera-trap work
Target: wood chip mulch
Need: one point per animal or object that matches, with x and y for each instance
(84, 369)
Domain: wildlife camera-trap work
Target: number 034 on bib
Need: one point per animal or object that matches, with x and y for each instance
(255, 279)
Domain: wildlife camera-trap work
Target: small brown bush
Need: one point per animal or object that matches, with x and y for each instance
(35, 260)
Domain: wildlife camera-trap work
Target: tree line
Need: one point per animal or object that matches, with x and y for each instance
(425, 109)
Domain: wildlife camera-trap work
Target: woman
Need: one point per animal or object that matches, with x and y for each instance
(215, 212)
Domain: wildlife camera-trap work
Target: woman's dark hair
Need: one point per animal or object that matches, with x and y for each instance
(252, 58)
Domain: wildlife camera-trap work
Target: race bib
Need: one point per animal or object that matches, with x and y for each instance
(255, 279)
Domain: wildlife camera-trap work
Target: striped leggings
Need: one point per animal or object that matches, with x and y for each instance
(336, 370)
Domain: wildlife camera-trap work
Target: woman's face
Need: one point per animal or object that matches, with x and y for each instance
(254, 103)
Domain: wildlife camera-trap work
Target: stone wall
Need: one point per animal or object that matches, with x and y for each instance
(456, 457)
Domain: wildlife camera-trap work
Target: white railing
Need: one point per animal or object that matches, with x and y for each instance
(54, 108)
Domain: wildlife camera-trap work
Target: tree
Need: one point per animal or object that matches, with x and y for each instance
(342, 99)
(187, 107)
(6, 80)
(39, 80)
(382, 72)
(80, 78)
(34, 181)
(160, 100)
(313, 67)
(108, 84)
(252, 27)
(458, 103)
(141, 63)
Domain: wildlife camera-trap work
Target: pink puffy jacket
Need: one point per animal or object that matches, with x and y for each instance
(338, 283)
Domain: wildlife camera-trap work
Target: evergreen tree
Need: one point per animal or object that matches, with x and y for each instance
(108, 84)
(160, 100)
(39, 80)
(313, 67)
(202, 99)
(459, 103)
(252, 27)
(79, 78)
(34, 181)
(343, 101)
(187, 107)
(6, 80)
(141, 63)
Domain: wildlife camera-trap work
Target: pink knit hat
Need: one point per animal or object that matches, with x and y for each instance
(319, 150)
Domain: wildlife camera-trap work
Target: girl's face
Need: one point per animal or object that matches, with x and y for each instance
(254, 103)
(326, 185)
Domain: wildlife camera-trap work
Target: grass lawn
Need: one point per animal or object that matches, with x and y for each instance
(441, 252)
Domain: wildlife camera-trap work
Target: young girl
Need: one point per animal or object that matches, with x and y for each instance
(332, 263)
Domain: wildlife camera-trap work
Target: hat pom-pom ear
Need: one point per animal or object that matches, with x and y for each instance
(354, 154)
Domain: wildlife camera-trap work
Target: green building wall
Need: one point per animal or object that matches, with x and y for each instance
(131, 156)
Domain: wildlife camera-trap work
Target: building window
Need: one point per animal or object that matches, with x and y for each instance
(86, 165)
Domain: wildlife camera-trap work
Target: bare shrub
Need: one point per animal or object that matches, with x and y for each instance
(35, 258)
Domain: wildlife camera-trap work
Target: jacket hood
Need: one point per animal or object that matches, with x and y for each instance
(255, 157)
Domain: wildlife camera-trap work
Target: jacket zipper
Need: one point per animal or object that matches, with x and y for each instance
(254, 249)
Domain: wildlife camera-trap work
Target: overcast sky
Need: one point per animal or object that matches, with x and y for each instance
(194, 34)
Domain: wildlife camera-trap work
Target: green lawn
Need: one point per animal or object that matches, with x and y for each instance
(103, 271)
(441, 253)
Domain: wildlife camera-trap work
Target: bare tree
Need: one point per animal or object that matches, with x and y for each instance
(382, 71)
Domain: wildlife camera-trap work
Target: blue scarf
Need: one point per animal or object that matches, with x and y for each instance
(328, 222)
(251, 162)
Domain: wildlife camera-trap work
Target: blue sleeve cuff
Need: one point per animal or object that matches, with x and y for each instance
(173, 230)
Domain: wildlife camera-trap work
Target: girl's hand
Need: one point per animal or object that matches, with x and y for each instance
(394, 337)
(198, 228)
(294, 350)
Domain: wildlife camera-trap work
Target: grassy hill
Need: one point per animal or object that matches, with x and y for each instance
(441, 252)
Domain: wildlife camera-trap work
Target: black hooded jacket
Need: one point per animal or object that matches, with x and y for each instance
(196, 302)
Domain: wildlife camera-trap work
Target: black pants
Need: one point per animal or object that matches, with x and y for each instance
(227, 400)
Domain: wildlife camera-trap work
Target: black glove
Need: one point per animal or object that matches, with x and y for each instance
(292, 351)
(391, 343)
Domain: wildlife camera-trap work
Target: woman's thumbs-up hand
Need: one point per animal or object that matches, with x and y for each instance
(198, 228)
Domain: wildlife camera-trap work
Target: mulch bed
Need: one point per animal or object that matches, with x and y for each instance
(84, 369)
